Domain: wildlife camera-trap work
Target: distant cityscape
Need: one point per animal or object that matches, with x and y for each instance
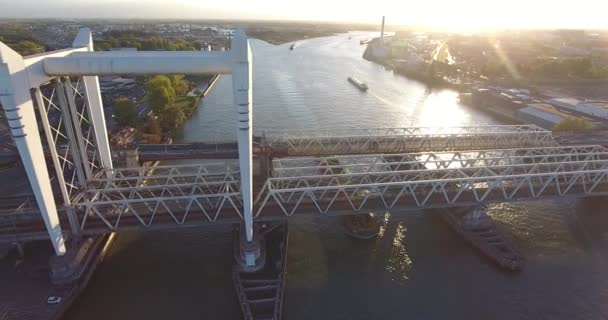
(540, 76)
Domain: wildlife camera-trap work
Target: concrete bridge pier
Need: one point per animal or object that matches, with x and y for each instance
(250, 255)
(82, 256)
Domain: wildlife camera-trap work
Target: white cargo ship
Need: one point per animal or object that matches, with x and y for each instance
(357, 83)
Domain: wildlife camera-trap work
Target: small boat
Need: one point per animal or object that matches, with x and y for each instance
(481, 231)
(292, 46)
(361, 226)
(260, 293)
(357, 83)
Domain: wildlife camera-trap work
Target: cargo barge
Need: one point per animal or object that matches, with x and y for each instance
(481, 232)
(358, 83)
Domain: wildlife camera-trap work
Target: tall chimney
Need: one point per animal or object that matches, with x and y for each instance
(382, 30)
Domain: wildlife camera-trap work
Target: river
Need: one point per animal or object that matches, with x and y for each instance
(416, 269)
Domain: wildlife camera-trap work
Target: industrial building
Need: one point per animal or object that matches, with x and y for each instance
(542, 114)
(593, 108)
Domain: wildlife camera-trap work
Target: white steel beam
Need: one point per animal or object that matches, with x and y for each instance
(35, 68)
(242, 86)
(94, 103)
(16, 99)
(139, 63)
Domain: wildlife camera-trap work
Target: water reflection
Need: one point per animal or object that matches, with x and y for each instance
(440, 109)
(541, 228)
(399, 262)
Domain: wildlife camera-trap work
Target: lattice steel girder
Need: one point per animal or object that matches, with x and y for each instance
(162, 175)
(166, 193)
(176, 204)
(422, 188)
(414, 139)
(434, 160)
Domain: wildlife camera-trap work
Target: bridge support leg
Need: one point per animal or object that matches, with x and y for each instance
(17, 102)
(79, 260)
(250, 255)
(241, 84)
(94, 103)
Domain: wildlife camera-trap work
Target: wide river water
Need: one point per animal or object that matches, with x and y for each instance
(416, 269)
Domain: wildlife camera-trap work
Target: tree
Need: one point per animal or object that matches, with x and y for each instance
(125, 112)
(180, 85)
(153, 125)
(160, 100)
(161, 94)
(573, 125)
(172, 118)
(26, 48)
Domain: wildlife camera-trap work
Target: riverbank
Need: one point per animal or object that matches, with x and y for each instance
(28, 289)
(280, 32)
(192, 100)
(162, 126)
(418, 72)
(503, 101)
(278, 37)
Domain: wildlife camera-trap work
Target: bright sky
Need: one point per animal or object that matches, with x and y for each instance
(434, 13)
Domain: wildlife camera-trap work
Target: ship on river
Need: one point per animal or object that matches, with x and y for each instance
(358, 83)
(475, 226)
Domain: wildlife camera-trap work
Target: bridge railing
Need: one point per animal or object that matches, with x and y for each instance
(414, 139)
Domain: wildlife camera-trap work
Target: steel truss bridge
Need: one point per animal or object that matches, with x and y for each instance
(190, 195)
(360, 141)
(78, 191)
(409, 139)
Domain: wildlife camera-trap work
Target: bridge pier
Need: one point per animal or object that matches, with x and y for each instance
(250, 256)
(68, 268)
